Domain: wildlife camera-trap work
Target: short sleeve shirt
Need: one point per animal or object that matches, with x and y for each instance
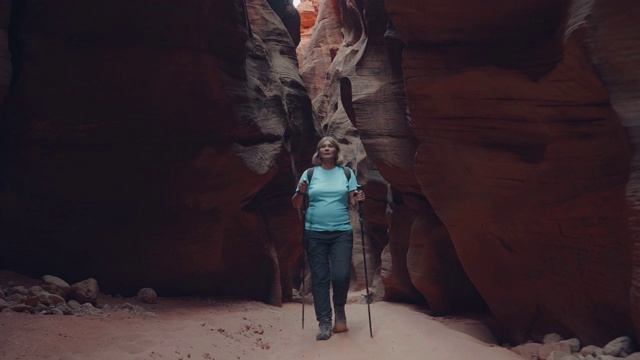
(329, 199)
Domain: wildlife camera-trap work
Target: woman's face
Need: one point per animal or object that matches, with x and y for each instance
(327, 151)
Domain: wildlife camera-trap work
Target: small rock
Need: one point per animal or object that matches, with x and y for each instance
(16, 298)
(634, 356)
(18, 290)
(86, 291)
(546, 349)
(44, 296)
(74, 304)
(528, 350)
(66, 310)
(558, 355)
(3, 304)
(41, 294)
(22, 308)
(54, 299)
(36, 291)
(41, 307)
(573, 343)
(87, 309)
(607, 357)
(32, 301)
(591, 350)
(621, 347)
(54, 311)
(56, 285)
(551, 338)
(147, 296)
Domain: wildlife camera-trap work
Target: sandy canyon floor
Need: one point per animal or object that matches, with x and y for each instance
(221, 329)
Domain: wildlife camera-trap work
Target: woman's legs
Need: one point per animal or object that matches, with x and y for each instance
(341, 250)
(318, 246)
(329, 255)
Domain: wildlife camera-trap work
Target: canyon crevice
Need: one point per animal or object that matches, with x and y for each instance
(157, 144)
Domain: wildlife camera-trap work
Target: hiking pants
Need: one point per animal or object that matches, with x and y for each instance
(329, 255)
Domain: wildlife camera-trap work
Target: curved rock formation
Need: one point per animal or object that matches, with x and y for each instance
(523, 159)
(155, 144)
(612, 30)
(359, 97)
(137, 139)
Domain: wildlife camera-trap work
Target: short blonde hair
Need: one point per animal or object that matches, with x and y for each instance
(315, 160)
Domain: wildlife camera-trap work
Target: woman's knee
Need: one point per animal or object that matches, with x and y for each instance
(340, 276)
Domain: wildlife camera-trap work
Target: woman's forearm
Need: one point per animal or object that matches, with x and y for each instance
(296, 200)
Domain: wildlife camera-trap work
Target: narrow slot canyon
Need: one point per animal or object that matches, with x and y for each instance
(149, 152)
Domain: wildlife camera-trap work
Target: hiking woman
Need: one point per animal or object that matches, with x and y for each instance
(328, 237)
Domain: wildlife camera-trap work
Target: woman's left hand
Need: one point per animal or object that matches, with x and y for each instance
(360, 196)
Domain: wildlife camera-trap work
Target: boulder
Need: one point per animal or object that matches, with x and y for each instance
(85, 291)
(147, 296)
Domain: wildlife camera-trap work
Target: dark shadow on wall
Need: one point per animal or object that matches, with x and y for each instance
(289, 16)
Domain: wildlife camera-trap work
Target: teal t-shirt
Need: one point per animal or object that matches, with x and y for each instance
(329, 199)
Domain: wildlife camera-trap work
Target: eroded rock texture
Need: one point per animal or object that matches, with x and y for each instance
(155, 144)
(152, 143)
(522, 155)
(612, 32)
(353, 71)
(308, 10)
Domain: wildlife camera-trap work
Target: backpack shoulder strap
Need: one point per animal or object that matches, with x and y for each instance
(309, 174)
(347, 172)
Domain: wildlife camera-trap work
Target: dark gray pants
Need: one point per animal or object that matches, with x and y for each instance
(329, 255)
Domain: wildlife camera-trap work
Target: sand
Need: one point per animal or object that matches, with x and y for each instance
(199, 328)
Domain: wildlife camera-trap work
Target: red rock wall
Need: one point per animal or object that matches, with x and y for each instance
(331, 50)
(137, 140)
(612, 30)
(523, 158)
(156, 143)
(357, 89)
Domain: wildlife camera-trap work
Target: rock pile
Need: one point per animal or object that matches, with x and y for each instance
(55, 296)
(554, 347)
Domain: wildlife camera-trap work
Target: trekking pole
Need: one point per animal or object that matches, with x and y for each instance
(304, 265)
(364, 260)
(304, 254)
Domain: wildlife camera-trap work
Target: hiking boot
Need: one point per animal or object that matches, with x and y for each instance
(341, 320)
(325, 330)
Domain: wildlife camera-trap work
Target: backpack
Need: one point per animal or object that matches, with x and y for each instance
(347, 173)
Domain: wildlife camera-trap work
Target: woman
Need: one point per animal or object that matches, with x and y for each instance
(328, 237)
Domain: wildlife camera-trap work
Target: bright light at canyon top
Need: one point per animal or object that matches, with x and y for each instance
(296, 3)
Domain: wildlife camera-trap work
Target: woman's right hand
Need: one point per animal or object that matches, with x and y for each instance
(303, 187)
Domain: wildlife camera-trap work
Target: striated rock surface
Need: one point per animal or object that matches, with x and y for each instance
(137, 139)
(289, 16)
(308, 10)
(329, 50)
(357, 88)
(612, 30)
(156, 143)
(523, 157)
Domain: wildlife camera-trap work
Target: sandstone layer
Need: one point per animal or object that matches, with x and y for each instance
(140, 139)
(523, 156)
(156, 144)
